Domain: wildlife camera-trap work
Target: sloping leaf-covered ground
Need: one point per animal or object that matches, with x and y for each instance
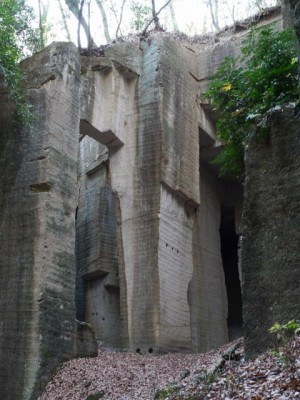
(220, 374)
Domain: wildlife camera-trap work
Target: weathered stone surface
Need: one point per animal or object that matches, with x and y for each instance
(175, 266)
(38, 200)
(115, 181)
(152, 185)
(150, 222)
(106, 96)
(153, 133)
(97, 295)
(180, 138)
(85, 343)
(207, 291)
(271, 235)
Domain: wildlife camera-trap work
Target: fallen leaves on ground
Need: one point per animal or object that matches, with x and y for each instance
(126, 376)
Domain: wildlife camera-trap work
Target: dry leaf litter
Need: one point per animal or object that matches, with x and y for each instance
(221, 374)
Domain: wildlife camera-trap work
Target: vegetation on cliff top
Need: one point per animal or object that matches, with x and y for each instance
(15, 36)
(246, 90)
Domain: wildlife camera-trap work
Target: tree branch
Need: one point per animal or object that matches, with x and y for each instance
(42, 44)
(104, 20)
(73, 7)
(89, 25)
(173, 17)
(64, 20)
(79, 24)
(155, 17)
(214, 15)
(121, 17)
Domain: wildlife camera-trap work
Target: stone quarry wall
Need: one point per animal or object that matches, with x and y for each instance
(271, 236)
(38, 200)
(150, 273)
(119, 156)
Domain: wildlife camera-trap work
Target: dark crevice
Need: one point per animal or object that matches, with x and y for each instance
(229, 251)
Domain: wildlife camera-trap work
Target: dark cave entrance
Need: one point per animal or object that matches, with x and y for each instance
(229, 251)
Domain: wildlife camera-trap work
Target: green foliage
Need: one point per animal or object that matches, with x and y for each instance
(166, 392)
(284, 333)
(282, 330)
(15, 35)
(247, 89)
(96, 396)
(142, 14)
(45, 28)
(206, 379)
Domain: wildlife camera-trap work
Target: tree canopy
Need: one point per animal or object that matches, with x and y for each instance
(103, 21)
(15, 36)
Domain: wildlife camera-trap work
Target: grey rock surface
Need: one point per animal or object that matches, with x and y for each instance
(123, 144)
(150, 275)
(38, 201)
(271, 235)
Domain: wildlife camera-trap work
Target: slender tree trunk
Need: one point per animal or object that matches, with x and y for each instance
(214, 13)
(231, 10)
(154, 15)
(64, 18)
(104, 20)
(41, 27)
(89, 25)
(73, 7)
(173, 17)
(79, 25)
(121, 17)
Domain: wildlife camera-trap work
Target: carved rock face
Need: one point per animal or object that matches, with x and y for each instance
(38, 200)
(297, 18)
(271, 236)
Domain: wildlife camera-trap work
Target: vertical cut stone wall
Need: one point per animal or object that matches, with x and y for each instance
(146, 156)
(271, 235)
(37, 234)
(207, 291)
(149, 267)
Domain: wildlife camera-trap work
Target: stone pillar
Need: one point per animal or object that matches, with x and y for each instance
(271, 235)
(38, 200)
(138, 249)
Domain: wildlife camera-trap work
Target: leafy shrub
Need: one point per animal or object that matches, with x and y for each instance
(166, 392)
(246, 89)
(285, 330)
(96, 396)
(284, 333)
(15, 35)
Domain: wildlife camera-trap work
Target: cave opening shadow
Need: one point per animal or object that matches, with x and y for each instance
(229, 251)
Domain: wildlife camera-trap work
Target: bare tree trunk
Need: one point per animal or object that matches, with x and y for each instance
(79, 24)
(214, 13)
(231, 10)
(41, 28)
(173, 17)
(104, 19)
(73, 7)
(64, 20)
(121, 17)
(89, 24)
(155, 16)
